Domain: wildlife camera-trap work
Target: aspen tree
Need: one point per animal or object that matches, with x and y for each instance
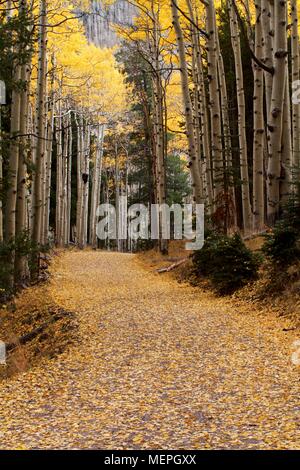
(193, 159)
(11, 202)
(79, 177)
(65, 173)
(259, 128)
(159, 124)
(268, 35)
(86, 185)
(69, 181)
(48, 166)
(287, 146)
(275, 118)
(214, 99)
(236, 46)
(96, 186)
(202, 131)
(21, 266)
(204, 116)
(295, 78)
(40, 125)
(59, 176)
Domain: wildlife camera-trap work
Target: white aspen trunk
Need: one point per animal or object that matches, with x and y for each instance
(85, 185)
(160, 129)
(214, 100)
(275, 119)
(11, 202)
(21, 265)
(203, 117)
(295, 79)
(117, 195)
(49, 148)
(205, 130)
(259, 129)
(236, 46)
(197, 104)
(268, 33)
(69, 190)
(10, 215)
(43, 238)
(40, 125)
(161, 156)
(79, 178)
(59, 179)
(31, 132)
(65, 172)
(287, 147)
(96, 187)
(193, 160)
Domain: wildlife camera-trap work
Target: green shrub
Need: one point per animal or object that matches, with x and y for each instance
(282, 245)
(227, 262)
(21, 246)
(6, 270)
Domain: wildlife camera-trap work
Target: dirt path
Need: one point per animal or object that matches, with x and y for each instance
(157, 366)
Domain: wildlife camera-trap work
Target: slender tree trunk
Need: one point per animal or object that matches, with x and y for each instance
(236, 46)
(10, 216)
(193, 159)
(79, 178)
(214, 101)
(21, 265)
(259, 129)
(59, 178)
(40, 125)
(268, 34)
(11, 201)
(49, 148)
(69, 183)
(295, 79)
(287, 146)
(96, 187)
(275, 119)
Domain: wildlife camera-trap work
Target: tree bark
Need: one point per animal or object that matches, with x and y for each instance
(236, 46)
(193, 159)
(295, 79)
(259, 129)
(40, 125)
(275, 119)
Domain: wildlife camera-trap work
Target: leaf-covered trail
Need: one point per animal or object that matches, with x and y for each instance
(158, 366)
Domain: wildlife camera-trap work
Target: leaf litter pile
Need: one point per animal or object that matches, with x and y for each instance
(155, 365)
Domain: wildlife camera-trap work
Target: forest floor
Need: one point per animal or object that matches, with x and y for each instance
(154, 365)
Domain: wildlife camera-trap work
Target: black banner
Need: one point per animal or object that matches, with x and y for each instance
(154, 459)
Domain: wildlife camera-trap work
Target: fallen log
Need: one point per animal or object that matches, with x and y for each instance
(173, 266)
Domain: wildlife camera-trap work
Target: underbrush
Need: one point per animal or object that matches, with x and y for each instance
(33, 328)
(30, 256)
(226, 262)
